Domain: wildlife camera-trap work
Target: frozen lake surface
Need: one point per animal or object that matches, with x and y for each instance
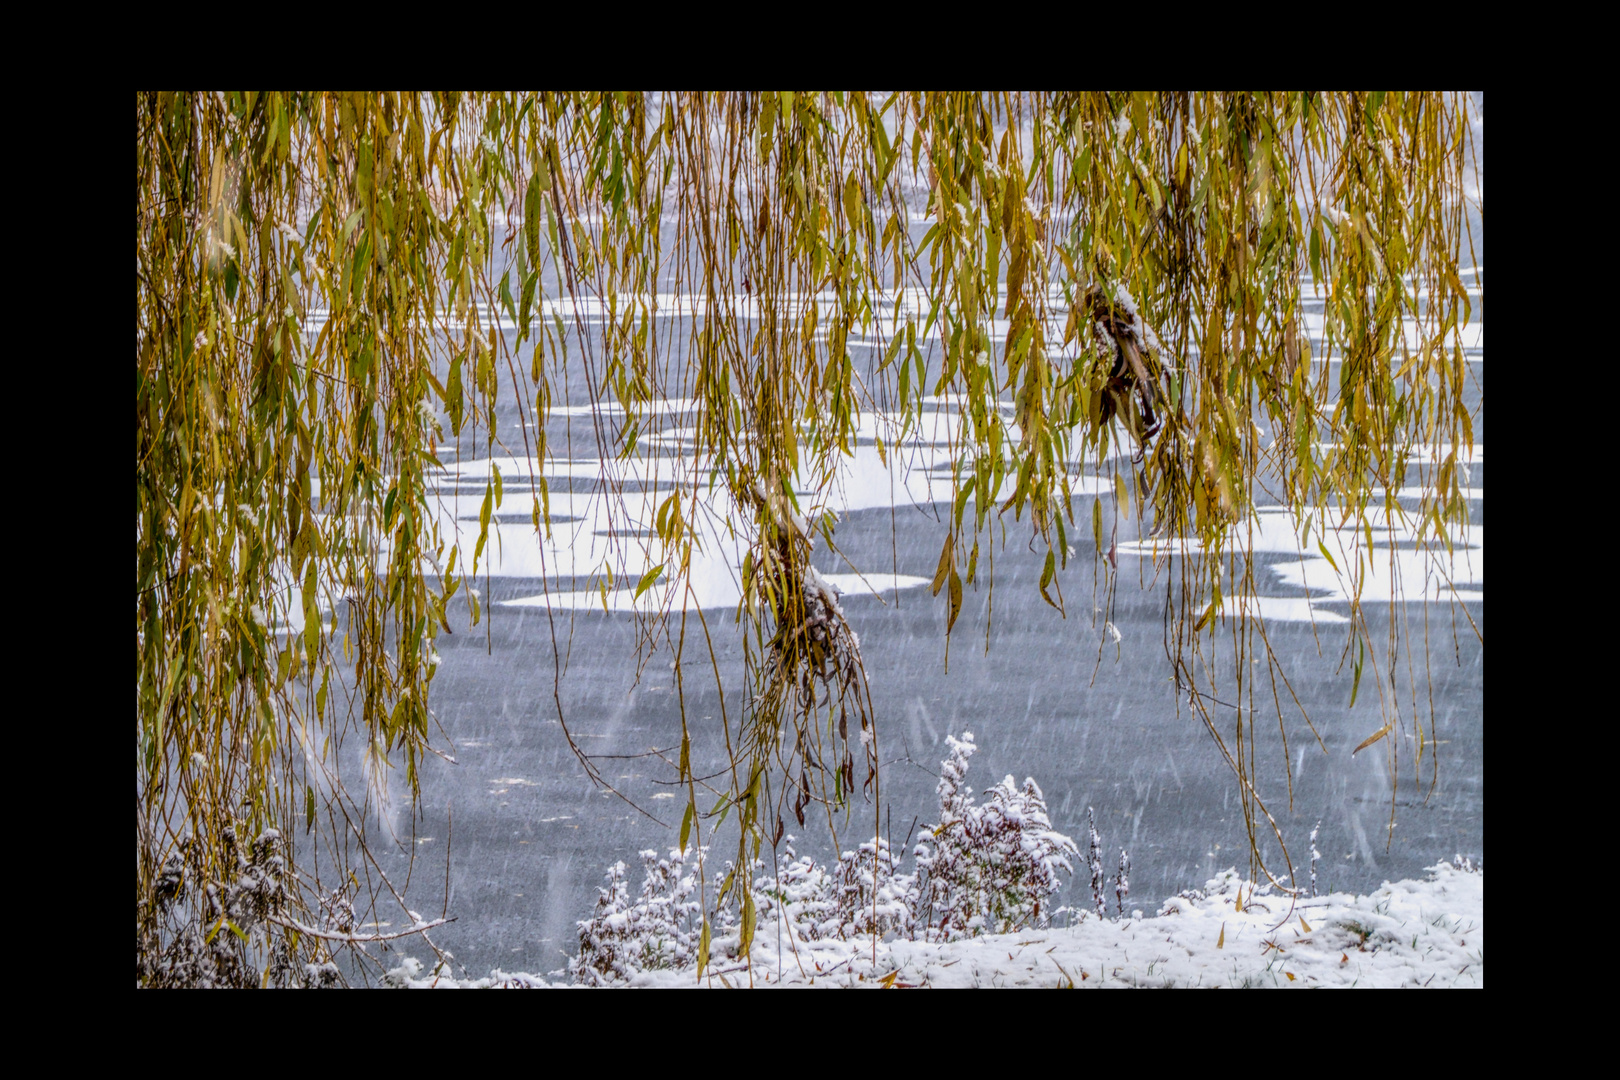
(1097, 723)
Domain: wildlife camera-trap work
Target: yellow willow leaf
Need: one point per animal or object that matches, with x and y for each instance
(946, 560)
(956, 600)
(1047, 573)
(1203, 620)
(1374, 737)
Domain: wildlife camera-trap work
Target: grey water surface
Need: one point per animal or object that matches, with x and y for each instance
(528, 837)
(1098, 724)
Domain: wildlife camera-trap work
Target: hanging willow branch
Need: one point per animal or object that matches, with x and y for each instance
(319, 277)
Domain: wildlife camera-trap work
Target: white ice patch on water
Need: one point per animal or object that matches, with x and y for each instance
(1472, 336)
(1393, 570)
(1280, 609)
(608, 525)
(611, 524)
(864, 585)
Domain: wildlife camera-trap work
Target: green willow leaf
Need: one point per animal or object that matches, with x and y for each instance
(649, 579)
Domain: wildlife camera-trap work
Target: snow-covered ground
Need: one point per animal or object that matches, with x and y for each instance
(1230, 933)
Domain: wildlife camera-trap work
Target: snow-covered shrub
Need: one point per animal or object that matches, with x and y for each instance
(1122, 880)
(726, 918)
(1316, 856)
(873, 898)
(803, 894)
(863, 895)
(991, 867)
(411, 974)
(660, 929)
(1099, 879)
(1095, 864)
(215, 929)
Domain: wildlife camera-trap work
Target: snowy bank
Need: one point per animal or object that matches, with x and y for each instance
(1230, 933)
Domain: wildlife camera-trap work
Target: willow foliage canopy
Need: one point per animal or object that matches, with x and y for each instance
(325, 282)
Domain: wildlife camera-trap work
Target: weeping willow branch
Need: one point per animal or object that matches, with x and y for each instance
(326, 282)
